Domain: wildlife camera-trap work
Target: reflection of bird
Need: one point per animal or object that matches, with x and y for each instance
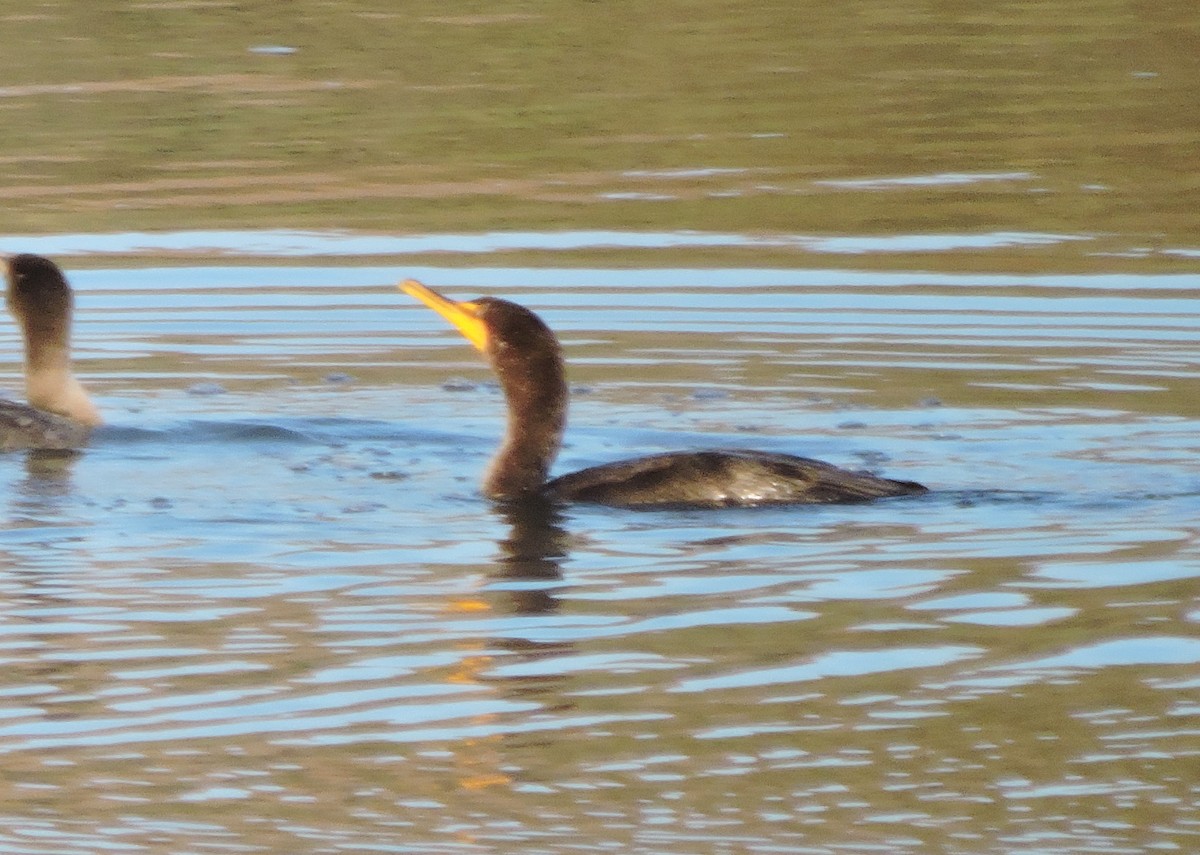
(528, 361)
(59, 414)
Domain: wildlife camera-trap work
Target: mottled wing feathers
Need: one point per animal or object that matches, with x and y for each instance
(723, 478)
(22, 426)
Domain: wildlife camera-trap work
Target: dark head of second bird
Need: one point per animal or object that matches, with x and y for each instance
(39, 297)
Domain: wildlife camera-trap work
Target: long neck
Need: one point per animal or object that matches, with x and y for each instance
(536, 395)
(50, 385)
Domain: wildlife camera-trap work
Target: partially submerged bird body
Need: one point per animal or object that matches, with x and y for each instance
(59, 413)
(22, 426)
(528, 362)
(721, 478)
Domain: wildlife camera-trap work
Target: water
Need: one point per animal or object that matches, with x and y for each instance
(267, 611)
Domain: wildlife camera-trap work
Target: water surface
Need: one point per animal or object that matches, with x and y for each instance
(268, 608)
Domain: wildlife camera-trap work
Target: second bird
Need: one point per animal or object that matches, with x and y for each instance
(59, 414)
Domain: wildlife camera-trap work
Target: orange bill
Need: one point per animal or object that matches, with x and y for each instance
(464, 316)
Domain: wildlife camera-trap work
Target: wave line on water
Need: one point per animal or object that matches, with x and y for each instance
(292, 243)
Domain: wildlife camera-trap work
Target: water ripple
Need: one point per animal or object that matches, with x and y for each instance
(842, 663)
(284, 243)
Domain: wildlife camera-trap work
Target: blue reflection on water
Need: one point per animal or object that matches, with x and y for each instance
(285, 242)
(837, 663)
